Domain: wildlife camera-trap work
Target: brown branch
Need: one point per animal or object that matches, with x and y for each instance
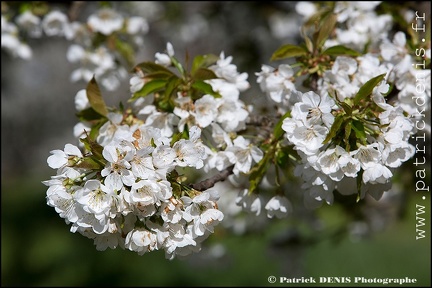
(75, 9)
(314, 83)
(210, 182)
(262, 124)
(260, 120)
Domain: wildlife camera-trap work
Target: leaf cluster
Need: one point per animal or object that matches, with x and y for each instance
(166, 85)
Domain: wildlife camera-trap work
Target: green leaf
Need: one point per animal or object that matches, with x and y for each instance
(159, 75)
(287, 51)
(340, 50)
(151, 67)
(88, 115)
(205, 88)
(204, 74)
(257, 173)
(121, 107)
(126, 50)
(321, 14)
(203, 61)
(148, 88)
(367, 88)
(94, 132)
(180, 135)
(308, 41)
(278, 131)
(326, 29)
(89, 163)
(334, 128)
(347, 135)
(164, 103)
(359, 130)
(282, 157)
(92, 146)
(178, 65)
(95, 97)
(171, 86)
(347, 108)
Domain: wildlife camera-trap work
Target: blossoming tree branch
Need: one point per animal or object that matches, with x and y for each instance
(152, 173)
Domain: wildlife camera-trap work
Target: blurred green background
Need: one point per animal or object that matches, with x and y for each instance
(38, 115)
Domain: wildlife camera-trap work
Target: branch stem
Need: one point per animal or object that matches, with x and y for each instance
(210, 182)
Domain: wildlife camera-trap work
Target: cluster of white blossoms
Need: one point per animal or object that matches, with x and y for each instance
(362, 24)
(406, 70)
(130, 201)
(11, 40)
(410, 75)
(125, 191)
(348, 74)
(221, 118)
(385, 146)
(102, 61)
(222, 115)
(328, 167)
(95, 43)
(330, 160)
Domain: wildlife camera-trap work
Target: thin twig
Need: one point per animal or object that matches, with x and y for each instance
(210, 182)
(75, 9)
(261, 120)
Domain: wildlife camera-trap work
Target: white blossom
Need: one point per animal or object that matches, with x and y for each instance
(242, 154)
(140, 241)
(314, 109)
(376, 173)
(105, 21)
(308, 139)
(30, 23)
(137, 25)
(249, 202)
(117, 170)
(278, 206)
(206, 110)
(61, 158)
(165, 59)
(54, 23)
(81, 100)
